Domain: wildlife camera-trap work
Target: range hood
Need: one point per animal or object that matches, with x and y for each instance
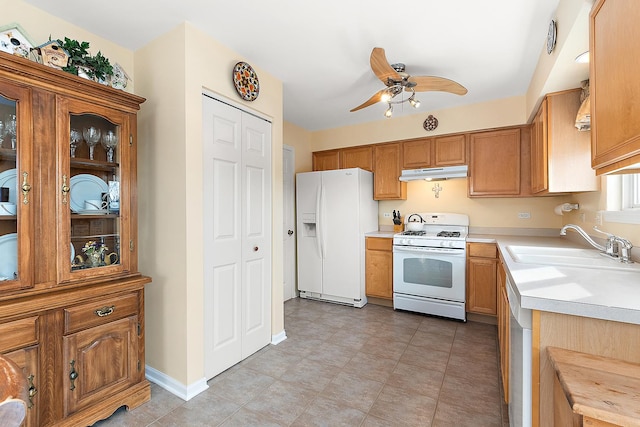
(434, 174)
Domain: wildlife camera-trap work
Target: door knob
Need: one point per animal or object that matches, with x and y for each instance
(290, 232)
(256, 249)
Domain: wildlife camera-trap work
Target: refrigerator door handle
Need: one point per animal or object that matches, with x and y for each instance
(318, 222)
(323, 217)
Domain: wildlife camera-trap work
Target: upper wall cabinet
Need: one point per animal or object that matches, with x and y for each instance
(495, 163)
(326, 160)
(560, 153)
(357, 157)
(615, 86)
(449, 150)
(387, 160)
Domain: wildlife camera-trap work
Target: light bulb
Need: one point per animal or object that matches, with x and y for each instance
(385, 97)
(414, 103)
(389, 112)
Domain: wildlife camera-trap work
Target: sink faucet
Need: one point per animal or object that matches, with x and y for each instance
(616, 246)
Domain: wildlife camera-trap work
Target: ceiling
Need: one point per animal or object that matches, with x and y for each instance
(320, 50)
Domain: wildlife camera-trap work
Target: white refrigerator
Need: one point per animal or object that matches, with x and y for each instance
(334, 211)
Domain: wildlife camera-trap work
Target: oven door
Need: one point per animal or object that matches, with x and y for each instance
(429, 272)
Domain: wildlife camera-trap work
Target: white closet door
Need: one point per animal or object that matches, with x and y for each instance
(237, 219)
(256, 234)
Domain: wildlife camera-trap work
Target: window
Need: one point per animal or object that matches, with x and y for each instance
(623, 199)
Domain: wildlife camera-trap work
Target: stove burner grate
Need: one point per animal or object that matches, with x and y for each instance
(449, 234)
(414, 233)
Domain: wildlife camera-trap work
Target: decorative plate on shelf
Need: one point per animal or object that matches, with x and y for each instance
(246, 81)
(8, 256)
(85, 187)
(8, 179)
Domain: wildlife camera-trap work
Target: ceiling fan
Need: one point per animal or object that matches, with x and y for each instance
(396, 80)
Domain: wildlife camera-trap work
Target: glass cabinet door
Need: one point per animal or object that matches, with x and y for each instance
(15, 162)
(93, 154)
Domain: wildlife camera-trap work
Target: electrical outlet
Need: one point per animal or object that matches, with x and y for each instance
(583, 217)
(598, 218)
(524, 215)
(386, 215)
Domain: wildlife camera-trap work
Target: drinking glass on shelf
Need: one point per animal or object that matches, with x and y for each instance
(11, 129)
(109, 142)
(75, 140)
(92, 137)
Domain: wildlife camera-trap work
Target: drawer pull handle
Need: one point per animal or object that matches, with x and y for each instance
(73, 375)
(105, 311)
(32, 391)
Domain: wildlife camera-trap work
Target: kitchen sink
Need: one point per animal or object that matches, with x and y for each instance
(568, 257)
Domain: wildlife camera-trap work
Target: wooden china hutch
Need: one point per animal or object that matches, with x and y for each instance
(71, 296)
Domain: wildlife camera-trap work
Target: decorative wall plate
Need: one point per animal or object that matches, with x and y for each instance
(430, 123)
(551, 37)
(246, 82)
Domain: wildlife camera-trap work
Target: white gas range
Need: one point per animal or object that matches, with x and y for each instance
(429, 265)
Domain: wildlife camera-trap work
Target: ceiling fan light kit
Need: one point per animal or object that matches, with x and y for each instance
(397, 81)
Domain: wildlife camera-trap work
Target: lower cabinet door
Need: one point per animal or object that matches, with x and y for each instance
(99, 362)
(27, 360)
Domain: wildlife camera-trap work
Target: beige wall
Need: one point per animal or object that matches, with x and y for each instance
(501, 112)
(300, 140)
(171, 170)
(40, 25)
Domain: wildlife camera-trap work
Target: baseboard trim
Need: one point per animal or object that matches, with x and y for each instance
(279, 337)
(174, 386)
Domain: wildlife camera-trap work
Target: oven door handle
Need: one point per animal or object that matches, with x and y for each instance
(418, 250)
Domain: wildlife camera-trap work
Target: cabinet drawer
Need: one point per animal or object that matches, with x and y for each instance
(99, 312)
(379, 244)
(484, 250)
(18, 333)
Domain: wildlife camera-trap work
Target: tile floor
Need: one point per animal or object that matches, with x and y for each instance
(343, 366)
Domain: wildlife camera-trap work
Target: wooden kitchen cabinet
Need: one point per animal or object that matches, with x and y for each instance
(417, 153)
(357, 157)
(448, 150)
(614, 49)
(48, 279)
(504, 328)
(387, 161)
(379, 267)
(481, 278)
(560, 153)
(495, 163)
(326, 160)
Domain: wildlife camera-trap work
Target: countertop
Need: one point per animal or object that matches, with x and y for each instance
(385, 234)
(589, 292)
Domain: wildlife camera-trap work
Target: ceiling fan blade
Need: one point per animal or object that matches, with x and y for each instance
(381, 67)
(377, 97)
(431, 83)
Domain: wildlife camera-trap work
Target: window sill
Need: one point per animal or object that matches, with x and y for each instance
(627, 216)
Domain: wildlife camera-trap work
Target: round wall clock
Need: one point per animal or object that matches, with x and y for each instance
(551, 37)
(430, 123)
(246, 81)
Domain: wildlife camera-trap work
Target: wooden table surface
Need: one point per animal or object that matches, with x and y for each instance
(598, 387)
